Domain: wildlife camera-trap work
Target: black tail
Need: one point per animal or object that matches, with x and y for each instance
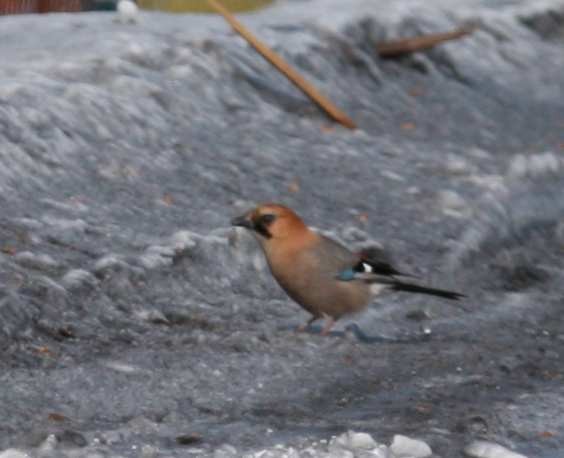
(411, 288)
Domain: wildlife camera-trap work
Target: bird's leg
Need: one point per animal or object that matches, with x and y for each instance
(304, 326)
(329, 322)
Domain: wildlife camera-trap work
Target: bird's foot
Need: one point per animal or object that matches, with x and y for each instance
(309, 328)
(306, 326)
(301, 328)
(329, 322)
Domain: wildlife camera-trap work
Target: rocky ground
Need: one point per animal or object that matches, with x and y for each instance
(135, 322)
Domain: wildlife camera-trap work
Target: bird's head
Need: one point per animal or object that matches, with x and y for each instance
(272, 222)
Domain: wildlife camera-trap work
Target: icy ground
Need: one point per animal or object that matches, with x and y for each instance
(135, 322)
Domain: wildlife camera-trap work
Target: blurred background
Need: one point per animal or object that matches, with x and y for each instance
(134, 321)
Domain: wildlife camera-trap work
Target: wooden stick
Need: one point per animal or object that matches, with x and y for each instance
(400, 47)
(284, 67)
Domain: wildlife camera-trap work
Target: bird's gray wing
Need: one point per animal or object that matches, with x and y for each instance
(333, 257)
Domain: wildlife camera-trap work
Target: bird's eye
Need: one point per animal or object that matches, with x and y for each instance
(267, 219)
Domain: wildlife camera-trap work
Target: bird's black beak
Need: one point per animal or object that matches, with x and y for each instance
(242, 221)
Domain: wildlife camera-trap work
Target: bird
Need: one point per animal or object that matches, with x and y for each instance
(320, 274)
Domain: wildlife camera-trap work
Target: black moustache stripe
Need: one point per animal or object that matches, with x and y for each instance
(261, 229)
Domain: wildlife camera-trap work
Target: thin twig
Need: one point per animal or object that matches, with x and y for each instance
(406, 46)
(284, 67)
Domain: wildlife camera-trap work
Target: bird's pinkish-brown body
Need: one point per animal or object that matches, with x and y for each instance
(307, 264)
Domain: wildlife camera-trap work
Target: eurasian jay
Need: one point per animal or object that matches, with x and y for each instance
(320, 274)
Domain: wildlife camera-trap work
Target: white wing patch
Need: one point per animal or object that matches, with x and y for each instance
(366, 268)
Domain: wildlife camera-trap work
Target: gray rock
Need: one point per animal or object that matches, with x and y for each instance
(355, 443)
(14, 453)
(48, 446)
(361, 441)
(458, 166)
(36, 261)
(225, 451)
(535, 165)
(405, 447)
(380, 451)
(484, 449)
(452, 203)
(148, 451)
(77, 278)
